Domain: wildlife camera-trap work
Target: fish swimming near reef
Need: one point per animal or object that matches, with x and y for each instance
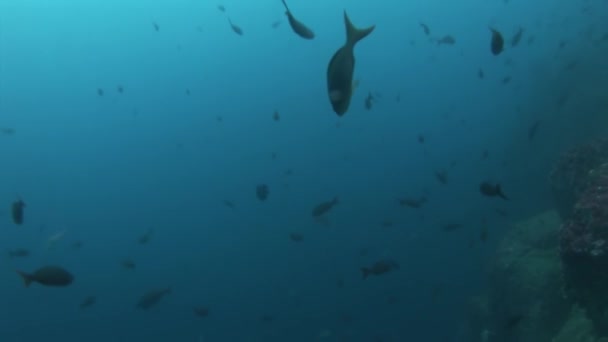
(492, 190)
(342, 66)
(150, 299)
(323, 208)
(297, 26)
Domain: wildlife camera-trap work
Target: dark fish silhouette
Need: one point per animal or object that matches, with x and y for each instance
(517, 37)
(450, 227)
(497, 43)
(235, 28)
(296, 237)
(262, 191)
(297, 26)
(17, 212)
(425, 28)
(156, 26)
(323, 208)
(221, 8)
(491, 190)
(412, 203)
(201, 311)
(533, 130)
(88, 302)
(380, 267)
(48, 276)
(150, 299)
(18, 253)
(341, 68)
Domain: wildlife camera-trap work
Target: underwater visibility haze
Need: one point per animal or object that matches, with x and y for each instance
(290, 170)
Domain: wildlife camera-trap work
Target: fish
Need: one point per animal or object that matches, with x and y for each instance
(54, 276)
(128, 264)
(412, 203)
(296, 237)
(17, 212)
(87, 302)
(100, 92)
(425, 28)
(262, 191)
(442, 177)
(297, 26)
(276, 24)
(7, 130)
(497, 43)
(421, 139)
(144, 239)
(446, 40)
(369, 101)
(229, 204)
(450, 227)
(480, 74)
(151, 298)
(221, 8)
(517, 37)
(120, 89)
(341, 68)
(380, 267)
(18, 253)
(276, 116)
(323, 208)
(201, 311)
(492, 190)
(533, 129)
(156, 26)
(235, 28)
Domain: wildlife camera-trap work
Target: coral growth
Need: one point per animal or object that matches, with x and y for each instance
(569, 177)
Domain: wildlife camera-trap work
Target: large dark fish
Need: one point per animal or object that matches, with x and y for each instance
(48, 276)
(237, 29)
(297, 26)
(152, 298)
(342, 66)
(17, 212)
(491, 190)
(497, 43)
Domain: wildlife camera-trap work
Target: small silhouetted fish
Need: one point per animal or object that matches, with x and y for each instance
(128, 264)
(497, 43)
(100, 92)
(380, 267)
(442, 177)
(187, 92)
(450, 227)
(296, 237)
(48, 276)
(150, 299)
(88, 302)
(421, 139)
(341, 68)
(76, 245)
(221, 8)
(533, 130)
(506, 80)
(517, 37)
(425, 29)
(480, 74)
(276, 24)
(369, 101)
(276, 116)
(324, 207)
(262, 191)
(17, 212)
(446, 40)
(7, 130)
(201, 311)
(412, 203)
(18, 253)
(267, 318)
(501, 212)
(120, 89)
(513, 321)
(156, 26)
(144, 239)
(491, 190)
(297, 26)
(235, 28)
(483, 234)
(229, 204)
(485, 154)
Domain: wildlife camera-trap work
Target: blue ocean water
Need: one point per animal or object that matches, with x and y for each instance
(126, 117)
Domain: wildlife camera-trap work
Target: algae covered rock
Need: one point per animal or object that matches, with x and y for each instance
(525, 285)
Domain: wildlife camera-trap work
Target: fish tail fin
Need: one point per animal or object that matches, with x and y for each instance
(364, 272)
(27, 279)
(354, 34)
